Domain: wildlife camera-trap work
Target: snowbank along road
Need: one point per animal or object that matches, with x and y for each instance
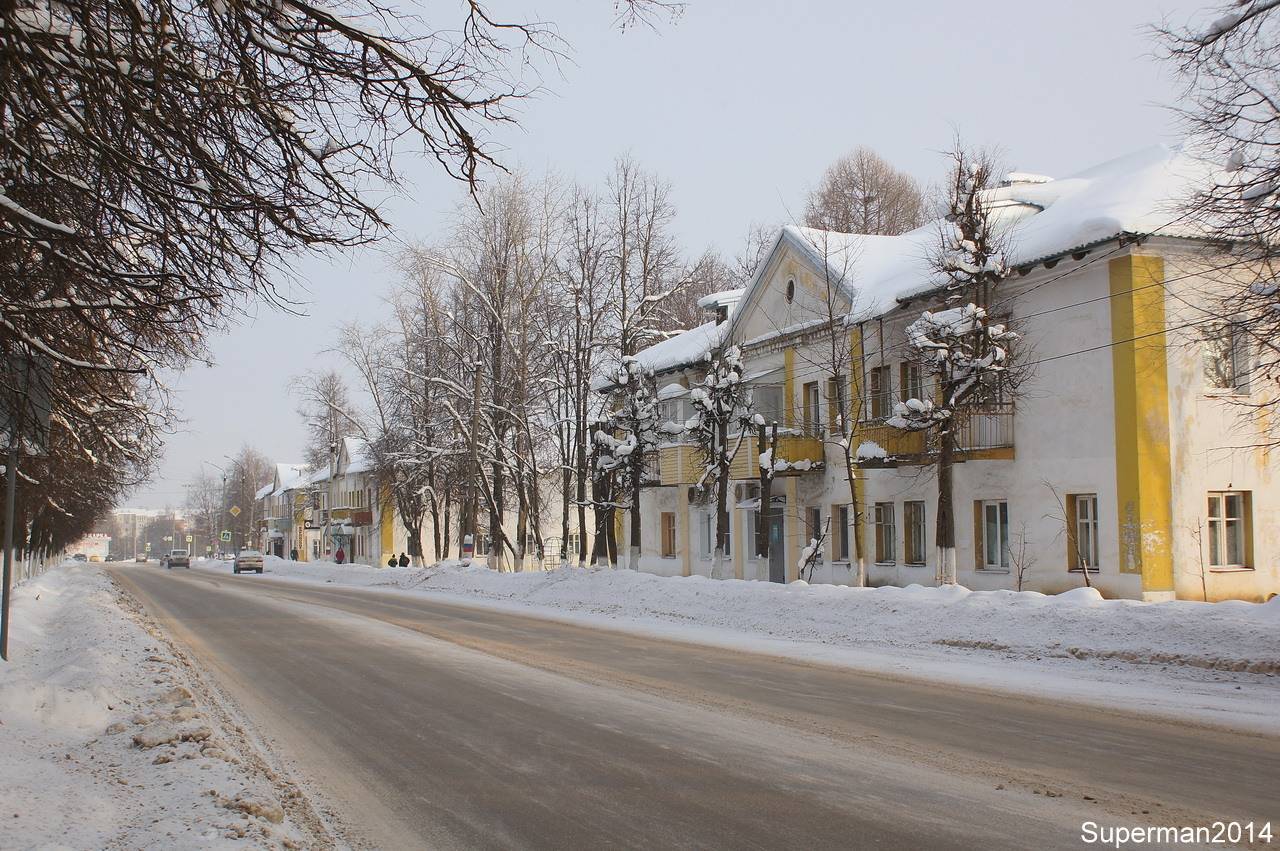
(419, 723)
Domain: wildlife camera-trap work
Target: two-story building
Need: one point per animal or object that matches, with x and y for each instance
(1122, 453)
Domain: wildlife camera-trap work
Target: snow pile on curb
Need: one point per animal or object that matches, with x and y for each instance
(1231, 636)
(105, 741)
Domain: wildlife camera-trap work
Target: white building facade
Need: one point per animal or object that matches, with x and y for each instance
(1118, 456)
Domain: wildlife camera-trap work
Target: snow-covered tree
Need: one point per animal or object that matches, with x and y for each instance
(720, 403)
(962, 346)
(629, 438)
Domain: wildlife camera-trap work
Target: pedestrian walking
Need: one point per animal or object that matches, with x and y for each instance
(293, 554)
(404, 560)
(339, 556)
(391, 562)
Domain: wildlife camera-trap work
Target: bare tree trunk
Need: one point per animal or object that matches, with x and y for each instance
(855, 513)
(766, 489)
(637, 470)
(946, 528)
(581, 474)
(566, 484)
(722, 502)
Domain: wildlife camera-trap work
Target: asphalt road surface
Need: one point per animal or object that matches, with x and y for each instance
(426, 724)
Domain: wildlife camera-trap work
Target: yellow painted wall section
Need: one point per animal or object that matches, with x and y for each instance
(1141, 387)
(789, 387)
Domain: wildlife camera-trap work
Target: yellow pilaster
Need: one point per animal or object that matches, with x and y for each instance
(1141, 387)
(789, 387)
(794, 518)
(682, 531)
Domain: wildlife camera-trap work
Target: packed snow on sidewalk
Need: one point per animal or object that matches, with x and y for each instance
(108, 739)
(1212, 661)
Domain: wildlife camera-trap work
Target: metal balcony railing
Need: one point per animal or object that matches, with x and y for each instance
(990, 428)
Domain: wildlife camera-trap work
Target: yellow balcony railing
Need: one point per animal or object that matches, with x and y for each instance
(792, 446)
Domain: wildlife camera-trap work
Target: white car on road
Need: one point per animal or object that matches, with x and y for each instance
(247, 561)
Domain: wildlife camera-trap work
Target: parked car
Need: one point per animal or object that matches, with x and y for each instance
(177, 558)
(95, 557)
(80, 557)
(140, 558)
(247, 561)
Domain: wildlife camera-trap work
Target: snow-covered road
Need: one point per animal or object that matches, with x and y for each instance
(1214, 663)
(432, 724)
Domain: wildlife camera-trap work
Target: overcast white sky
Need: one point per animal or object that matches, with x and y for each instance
(740, 105)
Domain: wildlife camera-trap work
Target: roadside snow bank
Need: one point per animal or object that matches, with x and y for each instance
(1212, 663)
(105, 741)
(1231, 636)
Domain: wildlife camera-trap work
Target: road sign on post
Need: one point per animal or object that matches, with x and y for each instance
(225, 536)
(234, 511)
(190, 539)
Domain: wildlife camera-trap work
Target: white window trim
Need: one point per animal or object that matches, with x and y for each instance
(1002, 526)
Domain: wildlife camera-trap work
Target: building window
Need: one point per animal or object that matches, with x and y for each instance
(914, 535)
(911, 381)
(885, 533)
(811, 407)
(995, 535)
(812, 523)
(1226, 359)
(879, 392)
(1229, 529)
(668, 534)
(835, 403)
(842, 533)
(791, 290)
(1082, 545)
(571, 549)
(707, 533)
(767, 401)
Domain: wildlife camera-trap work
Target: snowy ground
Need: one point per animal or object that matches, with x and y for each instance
(1216, 663)
(109, 737)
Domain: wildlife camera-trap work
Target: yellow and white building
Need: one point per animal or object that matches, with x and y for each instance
(1120, 454)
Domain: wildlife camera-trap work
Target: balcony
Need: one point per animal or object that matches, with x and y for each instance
(794, 445)
(679, 464)
(985, 434)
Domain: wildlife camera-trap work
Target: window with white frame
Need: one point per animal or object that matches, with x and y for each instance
(766, 400)
(879, 393)
(886, 533)
(1229, 529)
(1083, 547)
(706, 533)
(995, 535)
(1227, 364)
(913, 537)
(841, 533)
(911, 380)
(811, 409)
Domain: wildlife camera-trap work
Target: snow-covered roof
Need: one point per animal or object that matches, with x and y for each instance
(287, 477)
(673, 390)
(1139, 193)
(722, 298)
(359, 458)
(684, 349)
